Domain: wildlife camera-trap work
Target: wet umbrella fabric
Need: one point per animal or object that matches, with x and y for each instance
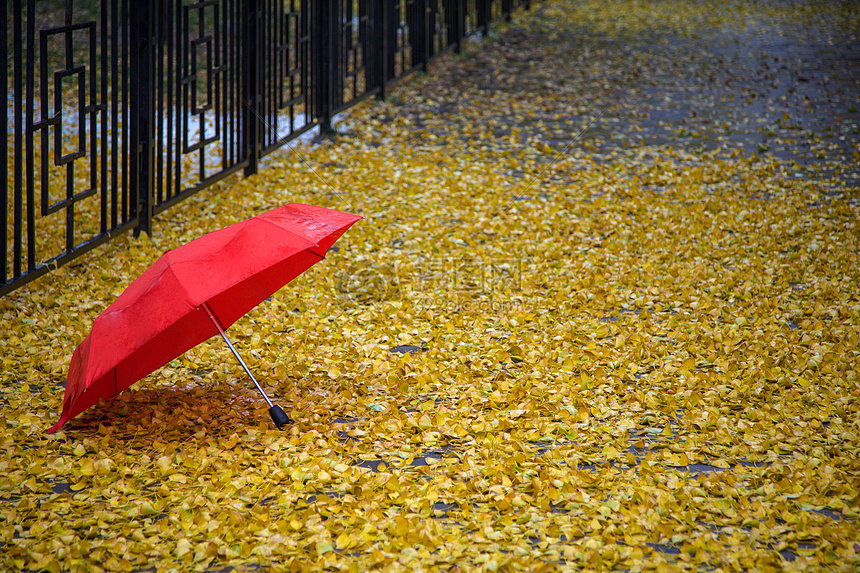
(166, 311)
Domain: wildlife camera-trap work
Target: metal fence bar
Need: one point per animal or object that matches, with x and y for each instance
(252, 18)
(141, 104)
(324, 21)
(4, 165)
(122, 108)
(482, 16)
(507, 9)
(30, 193)
(457, 23)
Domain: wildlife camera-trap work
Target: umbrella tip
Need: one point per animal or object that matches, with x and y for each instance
(279, 417)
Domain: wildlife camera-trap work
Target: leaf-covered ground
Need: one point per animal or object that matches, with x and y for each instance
(633, 350)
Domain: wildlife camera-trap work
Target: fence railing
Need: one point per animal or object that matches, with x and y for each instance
(118, 109)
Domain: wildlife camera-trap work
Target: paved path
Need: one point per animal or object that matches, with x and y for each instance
(776, 81)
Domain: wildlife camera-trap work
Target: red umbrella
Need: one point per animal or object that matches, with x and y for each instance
(194, 292)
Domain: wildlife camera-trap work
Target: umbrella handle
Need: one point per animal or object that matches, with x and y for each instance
(279, 417)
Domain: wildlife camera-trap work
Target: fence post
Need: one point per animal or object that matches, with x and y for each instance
(4, 165)
(142, 110)
(373, 50)
(380, 32)
(251, 80)
(418, 31)
(484, 10)
(432, 8)
(389, 37)
(324, 62)
(458, 19)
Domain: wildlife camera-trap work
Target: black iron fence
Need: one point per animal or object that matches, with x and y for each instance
(118, 109)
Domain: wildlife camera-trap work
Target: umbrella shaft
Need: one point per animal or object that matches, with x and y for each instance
(223, 334)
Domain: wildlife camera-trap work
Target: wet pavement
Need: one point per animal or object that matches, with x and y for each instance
(771, 86)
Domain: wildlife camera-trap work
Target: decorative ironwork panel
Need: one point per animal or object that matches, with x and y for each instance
(286, 46)
(402, 22)
(471, 17)
(437, 25)
(496, 9)
(64, 115)
(64, 197)
(198, 49)
(355, 54)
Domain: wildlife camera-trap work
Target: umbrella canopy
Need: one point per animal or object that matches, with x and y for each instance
(166, 310)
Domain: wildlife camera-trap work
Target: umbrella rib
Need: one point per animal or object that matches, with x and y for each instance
(217, 323)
